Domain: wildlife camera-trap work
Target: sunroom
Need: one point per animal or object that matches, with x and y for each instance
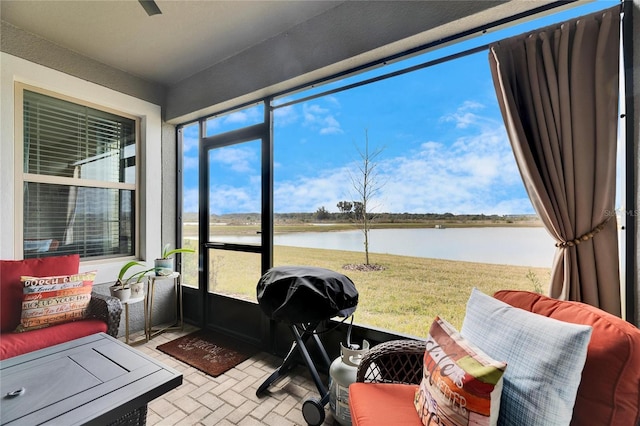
(248, 131)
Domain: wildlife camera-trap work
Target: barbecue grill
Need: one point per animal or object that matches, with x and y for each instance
(303, 297)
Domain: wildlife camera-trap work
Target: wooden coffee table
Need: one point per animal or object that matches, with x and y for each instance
(95, 380)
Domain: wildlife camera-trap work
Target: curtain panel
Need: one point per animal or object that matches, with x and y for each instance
(558, 94)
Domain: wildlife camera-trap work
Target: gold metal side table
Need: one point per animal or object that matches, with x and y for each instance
(177, 289)
(126, 304)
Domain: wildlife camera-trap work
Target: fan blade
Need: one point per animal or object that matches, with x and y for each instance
(150, 7)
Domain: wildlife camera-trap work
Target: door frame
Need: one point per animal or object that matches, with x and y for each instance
(255, 326)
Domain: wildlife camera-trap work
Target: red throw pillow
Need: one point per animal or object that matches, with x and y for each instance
(11, 286)
(609, 390)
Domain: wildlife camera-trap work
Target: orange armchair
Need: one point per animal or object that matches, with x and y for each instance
(386, 383)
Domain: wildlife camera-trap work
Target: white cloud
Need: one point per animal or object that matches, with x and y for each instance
(234, 199)
(471, 172)
(190, 200)
(314, 116)
(250, 115)
(190, 140)
(313, 110)
(464, 117)
(472, 175)
(332, 100)
(237, 117)
(238, 159)
(308, 193)
(285, 116)
(190, 147)
(320, 119)
(475, 173)
(190, 162)
(331, 126)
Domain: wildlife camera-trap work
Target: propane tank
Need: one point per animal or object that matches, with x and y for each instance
(341, 374)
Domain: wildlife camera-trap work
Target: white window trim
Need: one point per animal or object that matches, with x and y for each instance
(21, 177)
(16, 70)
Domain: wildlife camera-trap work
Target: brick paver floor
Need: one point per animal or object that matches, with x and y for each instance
(230, 399)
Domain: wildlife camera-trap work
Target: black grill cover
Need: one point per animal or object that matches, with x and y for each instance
(304, 294)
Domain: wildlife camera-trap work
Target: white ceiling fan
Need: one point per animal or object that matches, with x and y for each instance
(150, 7)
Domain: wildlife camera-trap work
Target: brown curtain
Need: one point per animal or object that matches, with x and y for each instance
(558, 93)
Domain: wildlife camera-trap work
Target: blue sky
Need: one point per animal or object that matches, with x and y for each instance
(440, 132)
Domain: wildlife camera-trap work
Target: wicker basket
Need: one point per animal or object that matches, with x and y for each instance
(396, 361)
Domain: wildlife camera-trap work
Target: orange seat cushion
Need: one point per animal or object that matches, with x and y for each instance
(383, 404)
(609, 391)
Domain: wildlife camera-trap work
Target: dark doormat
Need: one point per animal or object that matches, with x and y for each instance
(208, 351)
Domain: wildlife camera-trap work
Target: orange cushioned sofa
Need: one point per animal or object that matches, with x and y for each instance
(103, 313)
(608, 393)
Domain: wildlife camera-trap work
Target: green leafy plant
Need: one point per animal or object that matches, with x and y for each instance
(166, 253)
(138, 276)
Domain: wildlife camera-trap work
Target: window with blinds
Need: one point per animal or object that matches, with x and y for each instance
(79, 179)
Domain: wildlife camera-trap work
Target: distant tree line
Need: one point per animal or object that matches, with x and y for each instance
(348, 210)
(346, 216)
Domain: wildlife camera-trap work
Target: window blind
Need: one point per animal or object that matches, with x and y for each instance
(81, 144)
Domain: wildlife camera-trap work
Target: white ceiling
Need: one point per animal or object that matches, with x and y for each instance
(203, 55)
(186, 38)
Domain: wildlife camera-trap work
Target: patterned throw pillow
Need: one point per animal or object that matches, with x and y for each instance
(545, 358)
(461, 385)
(53, 300)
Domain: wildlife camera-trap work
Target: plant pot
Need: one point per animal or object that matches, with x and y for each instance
(123, 294)
(137, 289)
(164, 267)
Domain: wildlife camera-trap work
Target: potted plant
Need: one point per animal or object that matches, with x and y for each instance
(122, 289)
(137, 287)
(164, 265)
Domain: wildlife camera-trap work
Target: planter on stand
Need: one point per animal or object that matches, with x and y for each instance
(121, 293)
(137, 289)
(164, 267)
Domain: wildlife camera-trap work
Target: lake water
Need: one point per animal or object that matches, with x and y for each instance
(509, 245)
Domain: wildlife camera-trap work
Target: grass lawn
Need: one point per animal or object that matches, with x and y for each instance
(405, 297)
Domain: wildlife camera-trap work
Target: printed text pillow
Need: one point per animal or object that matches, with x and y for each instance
(461, 385)
(53, 300)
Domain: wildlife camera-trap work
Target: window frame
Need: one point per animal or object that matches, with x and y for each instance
(21, 177)
(628, 282)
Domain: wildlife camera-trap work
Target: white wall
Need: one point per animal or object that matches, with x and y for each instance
(14, 69)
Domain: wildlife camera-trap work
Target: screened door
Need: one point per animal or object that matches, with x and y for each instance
(236, 248)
